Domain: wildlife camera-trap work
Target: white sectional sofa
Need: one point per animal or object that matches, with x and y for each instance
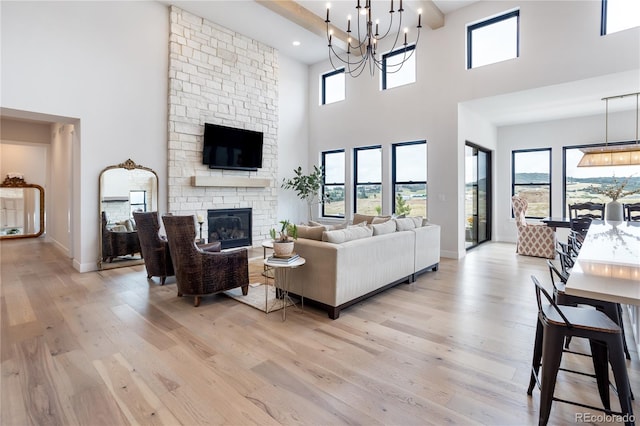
(337, 275)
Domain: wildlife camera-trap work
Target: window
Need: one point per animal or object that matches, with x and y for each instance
(618, 15)
(333, 184)
(394, 72)
(531, 180)
(409, 176)
(333, 86)
(493, 40)
(138, 201)
(578, 180)
(368, 180)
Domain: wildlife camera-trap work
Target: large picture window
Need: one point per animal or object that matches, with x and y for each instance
(333, 184)
(531, 180)
(493, 40)
(619, 15)
(368, 180)
(409, 175)
(579, 181)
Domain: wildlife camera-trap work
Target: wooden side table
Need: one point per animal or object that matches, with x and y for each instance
(281, 281)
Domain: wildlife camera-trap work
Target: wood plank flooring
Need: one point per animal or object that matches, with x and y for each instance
(112, 348)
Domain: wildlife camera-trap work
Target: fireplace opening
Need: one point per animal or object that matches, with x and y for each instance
(232, 227)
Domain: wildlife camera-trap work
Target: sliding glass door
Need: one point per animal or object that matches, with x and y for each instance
(477, 206)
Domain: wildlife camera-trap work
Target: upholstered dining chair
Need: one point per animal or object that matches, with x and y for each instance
(591, 210)
(533, 239)
(155, 249)
(632, 211)
(201, 272)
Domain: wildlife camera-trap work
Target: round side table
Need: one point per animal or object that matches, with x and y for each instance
(281, 281)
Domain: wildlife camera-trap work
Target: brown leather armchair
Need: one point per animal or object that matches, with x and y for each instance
(155, 249)
(201, 272)
(118, 243)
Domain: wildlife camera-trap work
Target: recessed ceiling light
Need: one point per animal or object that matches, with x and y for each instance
(296, 43)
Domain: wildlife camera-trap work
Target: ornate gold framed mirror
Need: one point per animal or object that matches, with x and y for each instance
(21, 209)
(123, 189)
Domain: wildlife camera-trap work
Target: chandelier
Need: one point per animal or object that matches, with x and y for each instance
(361, 47)
(616, 155)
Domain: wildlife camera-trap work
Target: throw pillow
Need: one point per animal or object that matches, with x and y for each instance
(417, 220)
(339, 236)
(359, 218)
(311, 232)
(380, 219)
(404, 224)
(386, 227)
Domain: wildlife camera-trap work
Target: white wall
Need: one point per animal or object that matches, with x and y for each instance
(104, 63)
(59, 202)
(293, 136)
(554, 134)
(560, 42)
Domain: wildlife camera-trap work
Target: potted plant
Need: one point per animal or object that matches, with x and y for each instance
(307, 187)
(283, 239)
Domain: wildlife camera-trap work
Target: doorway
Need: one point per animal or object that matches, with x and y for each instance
(477, 195)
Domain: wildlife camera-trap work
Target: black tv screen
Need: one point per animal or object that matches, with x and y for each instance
(231, 148)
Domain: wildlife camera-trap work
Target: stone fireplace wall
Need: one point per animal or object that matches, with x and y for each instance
(221, 77)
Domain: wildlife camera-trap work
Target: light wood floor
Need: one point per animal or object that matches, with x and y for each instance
(111, 348)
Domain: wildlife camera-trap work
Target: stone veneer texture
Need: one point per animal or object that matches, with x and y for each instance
(222, 77)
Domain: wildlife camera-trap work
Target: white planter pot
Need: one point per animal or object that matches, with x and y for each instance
(282, 249)
(613, 211)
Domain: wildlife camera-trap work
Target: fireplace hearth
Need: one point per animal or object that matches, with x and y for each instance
(232, 227)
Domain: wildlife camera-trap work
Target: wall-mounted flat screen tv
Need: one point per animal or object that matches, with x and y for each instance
(231, 148)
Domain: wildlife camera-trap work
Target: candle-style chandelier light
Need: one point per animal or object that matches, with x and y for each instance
(361, 47)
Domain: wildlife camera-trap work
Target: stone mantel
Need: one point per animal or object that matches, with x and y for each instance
(232, 182)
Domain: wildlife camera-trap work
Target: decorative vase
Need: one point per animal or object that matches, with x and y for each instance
(613, 212)
(283, 248)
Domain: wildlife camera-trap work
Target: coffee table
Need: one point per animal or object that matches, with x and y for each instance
(281, 281)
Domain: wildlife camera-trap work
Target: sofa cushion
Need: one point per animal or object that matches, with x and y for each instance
(339, 236)
(311, 232)
(386, 227)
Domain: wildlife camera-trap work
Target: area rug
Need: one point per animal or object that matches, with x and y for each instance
(255, 297)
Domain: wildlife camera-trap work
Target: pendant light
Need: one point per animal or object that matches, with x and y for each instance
(616, 155)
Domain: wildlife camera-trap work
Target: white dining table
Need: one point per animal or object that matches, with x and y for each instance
(608, 267)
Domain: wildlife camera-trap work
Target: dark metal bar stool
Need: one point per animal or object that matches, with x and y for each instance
(611, 309)
(555, 323)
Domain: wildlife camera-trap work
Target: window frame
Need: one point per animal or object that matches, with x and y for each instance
(394, 182)
(487, 22)
(565, 212)
(356, 183)
(144, 197)
(513, 177)
(325, 184)
(385, 56)
(604, 11)
(324, 85)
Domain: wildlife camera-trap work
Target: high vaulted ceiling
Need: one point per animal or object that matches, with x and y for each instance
(287, 21)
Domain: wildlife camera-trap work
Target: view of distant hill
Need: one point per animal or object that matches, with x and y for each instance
(634, 181)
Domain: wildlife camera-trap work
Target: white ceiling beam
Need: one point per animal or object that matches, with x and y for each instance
(308, 20)
(431, 15)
